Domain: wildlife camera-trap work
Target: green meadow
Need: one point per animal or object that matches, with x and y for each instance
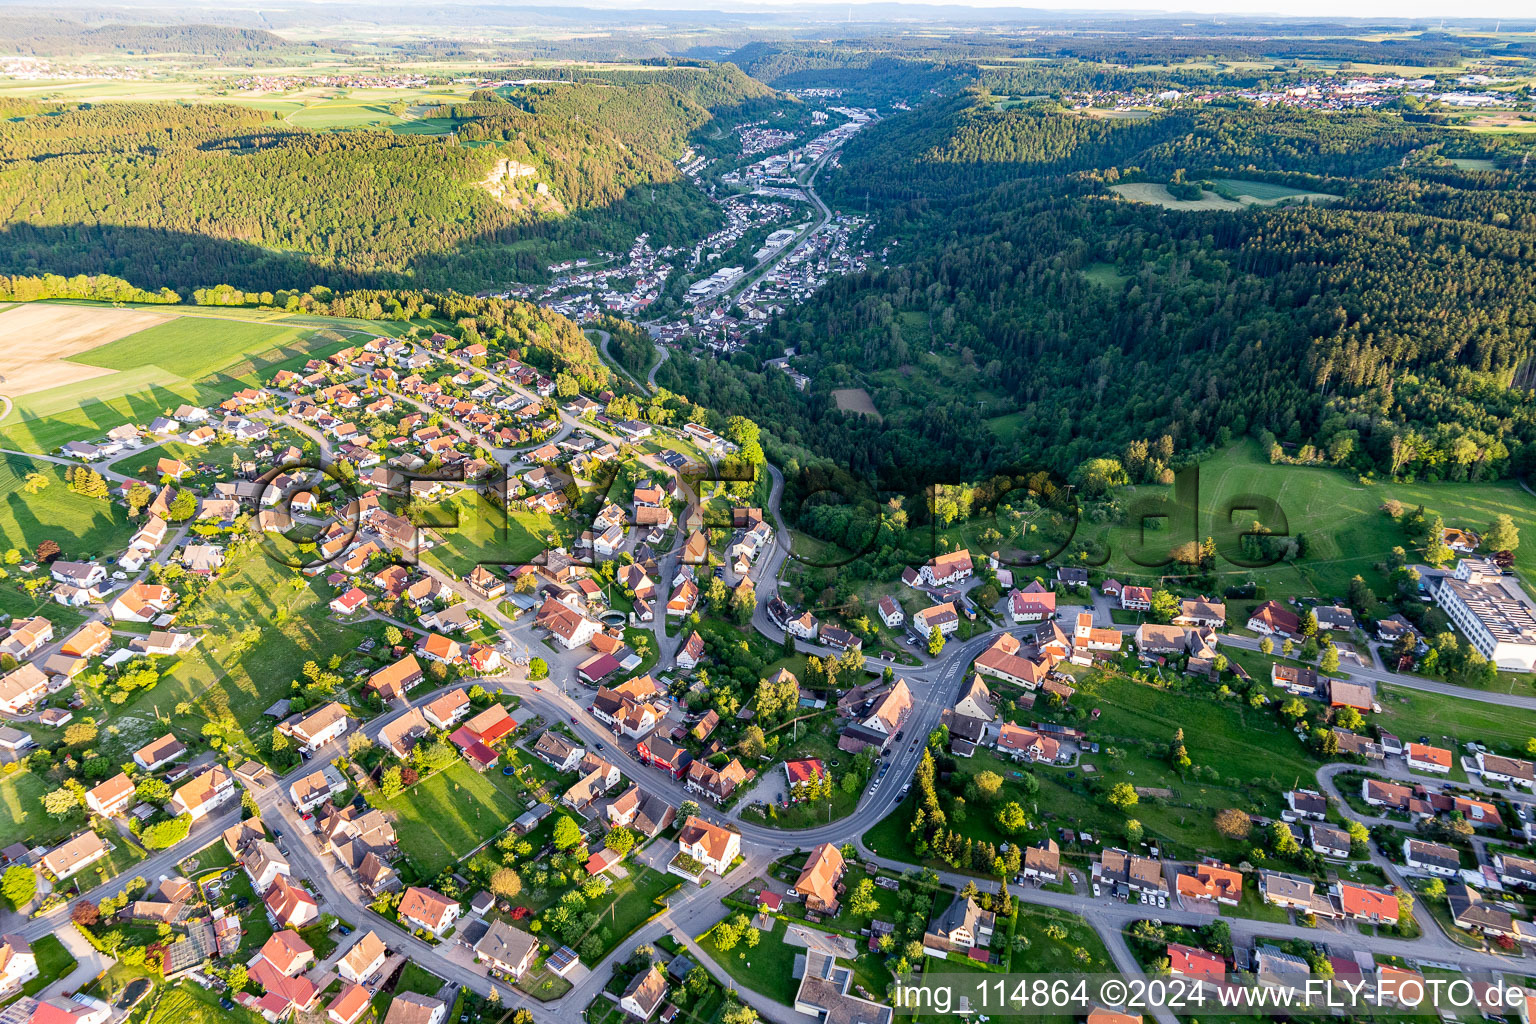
(1340, 517)
(189, 347)
(82, 526)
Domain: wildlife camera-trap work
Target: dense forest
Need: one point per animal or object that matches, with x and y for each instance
(1039, 321)
(181, 195)
(58, 37)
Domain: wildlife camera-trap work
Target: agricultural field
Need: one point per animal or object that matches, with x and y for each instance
(1158, 195)
(43, 342)
(188, 346)
(198, 357)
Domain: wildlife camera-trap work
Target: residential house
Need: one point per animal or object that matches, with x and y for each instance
(1431, 858)
(18, 964)
(1425, 758)
(506, 950)
(349, 1005)
(947, 569)
(1032, 604)
(1210, 882)
(1139, 874)
(444, 711)
(1330, 842)
(942, 617)
(159, 752)
(820, 880)
(713, 846)
(26, 636)
(1043, 861)
(428, 910)
(716, 785)
(290, 905)
(319, 727)
(962, 927)
(364, 959)
(21, 688)
(208, 791)
(394, 681)
(75, 855)
(111, 797)
(643, 995)
(1273, 619)
(412, 1008)
(557, 751)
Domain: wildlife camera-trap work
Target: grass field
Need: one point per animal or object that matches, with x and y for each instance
(22, 818)
(218, 676)
(1252, 756)
(1249, 193)
(1104, 275)
(1345, 531)
(446, 816)
(187, 1003)
(485, 534)
(82, 526)
(189, 347)
(1264, 193)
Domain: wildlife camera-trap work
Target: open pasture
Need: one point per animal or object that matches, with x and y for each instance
(1345, 530)
(1266, 193)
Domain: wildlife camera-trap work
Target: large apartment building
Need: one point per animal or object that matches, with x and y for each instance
(1493, 611)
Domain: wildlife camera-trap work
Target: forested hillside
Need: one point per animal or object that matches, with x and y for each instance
(36, 34)
(181, 196)
(957, 147)
(1038, 319)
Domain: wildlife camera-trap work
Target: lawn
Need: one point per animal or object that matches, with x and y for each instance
(411, 978)
(219, 677)
(22, 818)
(53, 962)
(1079, 950)
(484, 534)
(443, 818)
(769, 969)
(189, 346)
(83, 527)
(1451, 721)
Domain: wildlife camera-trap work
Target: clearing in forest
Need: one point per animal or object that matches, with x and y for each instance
(855, 400)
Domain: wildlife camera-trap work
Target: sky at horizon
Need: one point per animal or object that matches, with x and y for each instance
(1397, 9)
